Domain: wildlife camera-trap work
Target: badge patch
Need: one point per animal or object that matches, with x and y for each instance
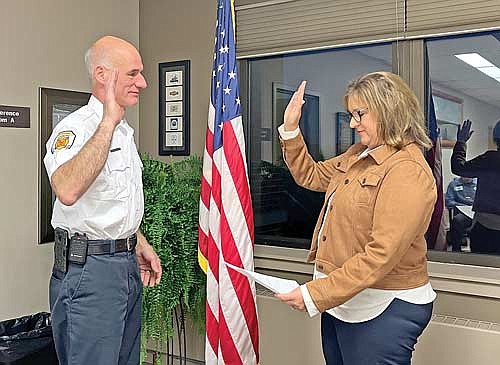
(64, 140)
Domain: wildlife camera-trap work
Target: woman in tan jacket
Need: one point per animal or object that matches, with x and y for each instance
(370, 276)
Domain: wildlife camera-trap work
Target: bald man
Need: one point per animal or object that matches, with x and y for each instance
(101, 260)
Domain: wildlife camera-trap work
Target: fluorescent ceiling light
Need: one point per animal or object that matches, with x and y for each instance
(474, 59)
(482, 64)
(491, 71)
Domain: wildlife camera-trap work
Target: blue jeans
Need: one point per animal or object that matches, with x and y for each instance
(388, 339)
(96, 311)
(458, 229)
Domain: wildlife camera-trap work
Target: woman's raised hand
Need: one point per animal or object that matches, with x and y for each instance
(293, 110)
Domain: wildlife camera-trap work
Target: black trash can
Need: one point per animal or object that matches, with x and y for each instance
(27, 341)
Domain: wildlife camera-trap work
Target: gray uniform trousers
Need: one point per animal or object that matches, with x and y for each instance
(96, 311)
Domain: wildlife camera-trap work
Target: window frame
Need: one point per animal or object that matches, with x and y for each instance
(408, 59)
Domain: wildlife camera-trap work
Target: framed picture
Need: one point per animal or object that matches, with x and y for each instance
(174, 78)
(344, 134)
(174, 93)
(174, 108)
(174, 113)
(449, 116)
(54, 105)
(308, 124)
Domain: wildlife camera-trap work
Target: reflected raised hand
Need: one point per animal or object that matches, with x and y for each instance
(464, 132)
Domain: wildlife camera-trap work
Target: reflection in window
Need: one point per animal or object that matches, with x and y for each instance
(61, 111)
(285, 214)
(465, 77)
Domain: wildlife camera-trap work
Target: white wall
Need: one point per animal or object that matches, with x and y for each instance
(177, 30)
(42, 44)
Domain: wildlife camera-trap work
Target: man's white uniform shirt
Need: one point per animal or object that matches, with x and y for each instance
(113, 206)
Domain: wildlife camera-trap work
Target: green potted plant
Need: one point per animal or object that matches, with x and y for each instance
(170, 224)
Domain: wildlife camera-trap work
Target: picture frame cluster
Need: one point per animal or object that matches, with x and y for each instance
(174, 102)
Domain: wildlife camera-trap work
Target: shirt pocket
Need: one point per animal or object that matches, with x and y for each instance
(117, 173)
(367, 188)
(116, 161)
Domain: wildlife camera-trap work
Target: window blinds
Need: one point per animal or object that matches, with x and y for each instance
(428, 17)
(269, 27)
(283, 26)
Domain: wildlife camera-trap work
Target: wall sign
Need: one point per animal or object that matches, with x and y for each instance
(14, 116)
(174, 108)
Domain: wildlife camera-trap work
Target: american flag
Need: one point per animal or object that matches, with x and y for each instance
(436, 237)
(226, 216)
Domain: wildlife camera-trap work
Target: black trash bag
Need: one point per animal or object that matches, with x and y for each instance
(27, 341)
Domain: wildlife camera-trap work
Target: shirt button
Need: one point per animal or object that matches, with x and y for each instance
(346, 181)
(323, 238)
(320, 267)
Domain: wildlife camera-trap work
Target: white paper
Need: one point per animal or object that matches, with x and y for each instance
(276, 285)
(467, 210)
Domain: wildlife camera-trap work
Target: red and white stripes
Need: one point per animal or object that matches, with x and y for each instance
(226, 235)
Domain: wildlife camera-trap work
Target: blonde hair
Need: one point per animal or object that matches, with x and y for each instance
(400, 117)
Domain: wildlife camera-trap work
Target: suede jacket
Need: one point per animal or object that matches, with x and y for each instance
(373, 234)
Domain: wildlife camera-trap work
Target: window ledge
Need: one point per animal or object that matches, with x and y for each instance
(445, 277)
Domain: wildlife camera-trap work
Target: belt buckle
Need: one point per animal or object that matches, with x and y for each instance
(129, 244)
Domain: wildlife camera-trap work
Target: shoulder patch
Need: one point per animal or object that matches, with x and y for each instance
(64, 140)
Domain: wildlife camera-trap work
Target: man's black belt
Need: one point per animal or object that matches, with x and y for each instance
(102, 247)
(76, 248)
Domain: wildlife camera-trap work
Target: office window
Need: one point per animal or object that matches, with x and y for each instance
(465, 78)
(285, 214)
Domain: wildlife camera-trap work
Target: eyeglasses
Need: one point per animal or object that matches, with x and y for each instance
(357, 114)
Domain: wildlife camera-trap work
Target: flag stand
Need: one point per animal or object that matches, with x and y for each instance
(180, 324)
(179, 316)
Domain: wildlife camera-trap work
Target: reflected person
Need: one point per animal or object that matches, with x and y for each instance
(370, 275)
(485, 232)
(460, 192)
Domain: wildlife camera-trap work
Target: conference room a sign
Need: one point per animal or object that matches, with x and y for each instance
(14, 116)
